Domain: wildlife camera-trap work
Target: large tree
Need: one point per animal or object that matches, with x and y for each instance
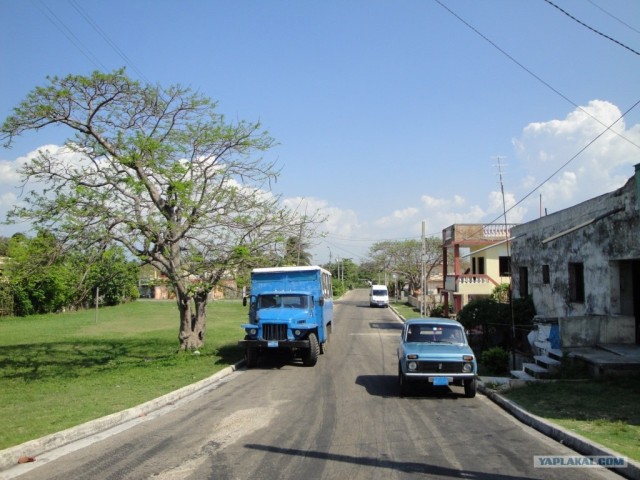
(160, 172)
(405, 258)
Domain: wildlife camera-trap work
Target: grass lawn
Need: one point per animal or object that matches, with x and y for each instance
(406, 310)
(57, 371)
(606, 411)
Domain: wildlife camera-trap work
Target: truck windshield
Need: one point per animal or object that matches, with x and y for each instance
(284, 300)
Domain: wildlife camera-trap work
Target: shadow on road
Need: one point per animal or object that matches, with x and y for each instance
(377, 462)
(386, 386)
(386, 326)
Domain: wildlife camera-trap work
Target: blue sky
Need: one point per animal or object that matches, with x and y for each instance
(387, 113)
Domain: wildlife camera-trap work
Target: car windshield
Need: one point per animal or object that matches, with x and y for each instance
(288, 300)
(435, 333)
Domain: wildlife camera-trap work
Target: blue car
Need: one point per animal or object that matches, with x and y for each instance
(435, 350)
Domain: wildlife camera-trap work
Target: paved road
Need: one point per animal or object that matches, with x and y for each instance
(341, 419)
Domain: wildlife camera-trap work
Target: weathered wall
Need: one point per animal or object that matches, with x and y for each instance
(592, 330)
(602, 247)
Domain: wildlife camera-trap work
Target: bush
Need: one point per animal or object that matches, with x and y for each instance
(496, 360)
(438, 311)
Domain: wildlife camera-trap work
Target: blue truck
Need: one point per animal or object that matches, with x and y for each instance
(290, 308)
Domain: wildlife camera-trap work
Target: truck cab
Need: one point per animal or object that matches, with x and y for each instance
(290, 308)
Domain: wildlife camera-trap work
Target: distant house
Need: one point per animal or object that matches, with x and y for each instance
(155, 285)
(581, 267)
(476, 260)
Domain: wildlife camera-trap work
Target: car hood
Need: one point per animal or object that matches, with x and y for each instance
(438, 350)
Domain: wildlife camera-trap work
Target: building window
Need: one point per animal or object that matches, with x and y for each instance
(546, 278)
(523, 274)
(477, 265)
(576, 282)
(505, 266)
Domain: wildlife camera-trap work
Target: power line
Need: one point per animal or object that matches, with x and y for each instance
(591, 28)
(530, 72)
(66, 31)
(613, 16)
(107, 39)
(570, 160)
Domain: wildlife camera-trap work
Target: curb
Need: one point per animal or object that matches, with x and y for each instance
(35, 448)
(572, 440)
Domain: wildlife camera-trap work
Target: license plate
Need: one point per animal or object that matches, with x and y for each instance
(272, 344)
(440, 381)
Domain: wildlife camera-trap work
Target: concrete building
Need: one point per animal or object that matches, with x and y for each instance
(581, 266)
(476, 260)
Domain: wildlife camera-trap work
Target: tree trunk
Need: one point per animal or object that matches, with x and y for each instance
(192, 324)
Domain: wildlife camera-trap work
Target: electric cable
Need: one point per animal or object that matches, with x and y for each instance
(66, 31)
(591, 28)
(530, 72)
(613, 16)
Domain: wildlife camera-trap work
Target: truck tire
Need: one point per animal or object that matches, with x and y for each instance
(470, 387)
(251, 357)
(310, 356)
(324, 345)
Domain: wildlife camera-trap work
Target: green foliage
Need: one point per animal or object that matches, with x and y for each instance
(497, 320)
(404, 258)
(346, 275)
(4, 246)
(495, 360)
(164, 176)
(501, 293)
(438, 311)
(339, 288)
(296, 252)
(43, 278)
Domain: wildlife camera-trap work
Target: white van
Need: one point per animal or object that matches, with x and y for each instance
(379, 296)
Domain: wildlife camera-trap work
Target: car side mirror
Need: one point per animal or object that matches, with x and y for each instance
(244, 301)
(321, 301)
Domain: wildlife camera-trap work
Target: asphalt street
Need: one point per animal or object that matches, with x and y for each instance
(341, 419)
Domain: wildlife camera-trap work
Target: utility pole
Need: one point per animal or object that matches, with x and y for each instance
(423, 310)
(506, 235)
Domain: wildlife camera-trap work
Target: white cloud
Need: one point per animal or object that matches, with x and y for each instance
(605, 164)
(398, 217)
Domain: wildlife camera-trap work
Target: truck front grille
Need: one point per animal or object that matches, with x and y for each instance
(440, 367)
(277, 331)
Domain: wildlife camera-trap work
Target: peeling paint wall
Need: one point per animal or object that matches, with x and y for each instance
(604, 247)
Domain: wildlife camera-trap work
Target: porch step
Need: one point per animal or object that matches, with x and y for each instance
(535, 370)
(522, 375)
(555, 353)
(547, 362)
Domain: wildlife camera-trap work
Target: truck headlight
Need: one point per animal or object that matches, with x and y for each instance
(412, 366)
(297, 333)
(467, 368)
(252, 331)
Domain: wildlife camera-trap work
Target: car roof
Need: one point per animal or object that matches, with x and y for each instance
(433, 320)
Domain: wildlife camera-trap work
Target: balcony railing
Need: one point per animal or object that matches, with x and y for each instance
(455, 282)
(487, 231)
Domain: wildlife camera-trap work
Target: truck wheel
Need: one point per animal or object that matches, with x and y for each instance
(324, 345)
(402, 382)
(470, 387)
(251, 357)
(310, 356)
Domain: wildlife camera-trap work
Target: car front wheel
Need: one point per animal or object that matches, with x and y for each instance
(470, 386)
